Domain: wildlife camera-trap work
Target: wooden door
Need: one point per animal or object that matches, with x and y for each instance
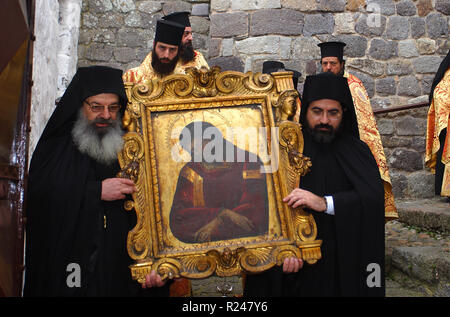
(16, 29)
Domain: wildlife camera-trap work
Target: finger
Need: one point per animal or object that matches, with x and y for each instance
(126, 181)
(287, 265)
(298, 203)
(300, 264)
(295, 265)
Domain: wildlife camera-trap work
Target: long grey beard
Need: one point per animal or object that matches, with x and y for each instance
(102, 147)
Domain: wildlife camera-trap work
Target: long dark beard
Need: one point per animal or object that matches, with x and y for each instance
(322, 136)
(163, 68)
(101, 144)
(187, 52)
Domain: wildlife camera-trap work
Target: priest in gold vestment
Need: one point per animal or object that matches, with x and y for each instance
(186, 56)
(437, 154)
(332, 61)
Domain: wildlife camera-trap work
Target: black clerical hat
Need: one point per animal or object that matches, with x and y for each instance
(332, 49)
(276, 66)
(169, 32)
(179, 17)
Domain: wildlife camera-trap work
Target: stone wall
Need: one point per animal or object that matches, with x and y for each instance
(394, 47)
(120, 33)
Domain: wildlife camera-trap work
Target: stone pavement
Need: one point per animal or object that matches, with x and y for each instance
(418, 249)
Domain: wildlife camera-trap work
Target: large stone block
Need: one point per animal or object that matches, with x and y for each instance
(384, 7)
(424, 7)
(410, 126)
(406, 7)
(315, 5)
(344, 23)
(124, 54)
(124, 5)
(200, 9)
(259, 45)
(437, 25)
(110, 20)
(244, 5)
(385, 86)
(272, 21)
(220, 5)
(228, 63)
(407, 48)
(98, 52)
(149, 6)
(418, 27)
(318, 24)
(405, 159)
(427, 64)
(443, 6)
(97, 6)
(409, 86)
(368, 66)
(399, 67)
(229, 24)
(356, 45)
(370, 26)
(399, 184)
(397, 28)
(426, 46)
(305, 48)
(169, 7)
(383, 50)
(385, 126)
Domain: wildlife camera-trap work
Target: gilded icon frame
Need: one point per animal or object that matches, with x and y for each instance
(226, 99)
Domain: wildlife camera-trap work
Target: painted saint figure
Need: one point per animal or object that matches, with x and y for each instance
(218, 197)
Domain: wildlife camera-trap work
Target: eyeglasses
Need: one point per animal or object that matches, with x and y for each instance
(100, 108)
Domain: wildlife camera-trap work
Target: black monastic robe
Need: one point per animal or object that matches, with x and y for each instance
(67, 222)
(353, 238)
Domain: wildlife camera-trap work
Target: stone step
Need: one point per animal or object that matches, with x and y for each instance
(424, 268)
(431, 214)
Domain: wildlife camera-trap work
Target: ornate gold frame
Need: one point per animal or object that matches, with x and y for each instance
(204, 89)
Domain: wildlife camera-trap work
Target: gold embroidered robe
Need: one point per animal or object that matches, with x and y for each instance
(368, 133)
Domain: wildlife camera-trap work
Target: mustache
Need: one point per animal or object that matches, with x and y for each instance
(323, 126)
(103, 121)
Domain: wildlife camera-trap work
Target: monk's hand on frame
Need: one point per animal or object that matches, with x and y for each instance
(117, 188)
(305, 199)
(153, 280)
(292, 265)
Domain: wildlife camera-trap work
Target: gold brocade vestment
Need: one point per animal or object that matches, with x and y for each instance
(368, 133)
(145, 72)
(438, 120)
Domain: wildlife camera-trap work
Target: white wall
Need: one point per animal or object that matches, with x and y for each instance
(54, 58)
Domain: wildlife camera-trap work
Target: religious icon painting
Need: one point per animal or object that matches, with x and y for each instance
(211, 160)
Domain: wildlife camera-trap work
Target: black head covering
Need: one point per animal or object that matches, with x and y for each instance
(332, 49)
(330, 86)
(443, 67)
(275, 66)
(179, 17)
(169, 32)
(87, 82)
